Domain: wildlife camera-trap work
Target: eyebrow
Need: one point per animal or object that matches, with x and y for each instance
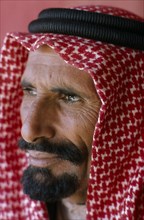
(60, 90)
(65, 91)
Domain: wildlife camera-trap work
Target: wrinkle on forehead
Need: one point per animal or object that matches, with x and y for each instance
(46, 59)
(46, 55)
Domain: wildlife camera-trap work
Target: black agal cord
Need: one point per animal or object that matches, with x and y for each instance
(97, 26)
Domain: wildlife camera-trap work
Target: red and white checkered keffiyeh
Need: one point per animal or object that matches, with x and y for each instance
(116, 180)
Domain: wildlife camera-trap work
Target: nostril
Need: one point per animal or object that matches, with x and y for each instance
(32, 132)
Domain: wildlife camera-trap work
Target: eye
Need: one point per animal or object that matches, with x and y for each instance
(70, 98)
(29, 91)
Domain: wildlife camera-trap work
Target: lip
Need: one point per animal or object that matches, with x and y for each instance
(42, 159)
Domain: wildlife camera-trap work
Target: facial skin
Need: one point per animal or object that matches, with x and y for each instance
(59, 111)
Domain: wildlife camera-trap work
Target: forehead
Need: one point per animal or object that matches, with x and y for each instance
(45, 66)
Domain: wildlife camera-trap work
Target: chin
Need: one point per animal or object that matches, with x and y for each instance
(41, 184)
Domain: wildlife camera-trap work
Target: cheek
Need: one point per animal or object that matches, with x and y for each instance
(71, 124)
(23, 111)
(88, 119)
(24, 108)
(79, 125)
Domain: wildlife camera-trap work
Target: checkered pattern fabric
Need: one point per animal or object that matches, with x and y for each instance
(116, 180)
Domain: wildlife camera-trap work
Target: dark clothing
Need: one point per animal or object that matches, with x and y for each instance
(52, 210)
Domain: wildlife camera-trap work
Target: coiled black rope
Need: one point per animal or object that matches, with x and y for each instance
(93, 17)
(97, 26)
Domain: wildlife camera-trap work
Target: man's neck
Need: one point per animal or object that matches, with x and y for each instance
(70, 211)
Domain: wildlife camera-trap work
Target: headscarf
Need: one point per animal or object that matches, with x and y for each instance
(116, 180)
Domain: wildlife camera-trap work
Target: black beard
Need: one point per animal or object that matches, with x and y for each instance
(40, 184)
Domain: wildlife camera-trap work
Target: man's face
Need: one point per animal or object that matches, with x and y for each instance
(59, 111)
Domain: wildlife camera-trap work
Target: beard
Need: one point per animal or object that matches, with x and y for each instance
(40, 183)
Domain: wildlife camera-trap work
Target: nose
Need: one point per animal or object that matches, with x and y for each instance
(37, 122)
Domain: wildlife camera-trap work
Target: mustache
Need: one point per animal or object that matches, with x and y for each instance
(64, 150)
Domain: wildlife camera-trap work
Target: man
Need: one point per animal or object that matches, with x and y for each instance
(81, 115)
(59, 112)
